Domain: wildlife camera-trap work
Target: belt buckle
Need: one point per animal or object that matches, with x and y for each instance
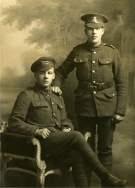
(91, 87)
(94, 87)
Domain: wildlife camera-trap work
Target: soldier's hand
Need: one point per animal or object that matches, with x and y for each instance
(87, 135)
(44, 133)
(117, 118)
(56, 89)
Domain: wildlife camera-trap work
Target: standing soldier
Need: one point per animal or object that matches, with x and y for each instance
(101, 92)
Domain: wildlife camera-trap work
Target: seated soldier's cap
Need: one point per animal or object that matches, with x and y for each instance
(44, 62)
(94, 20)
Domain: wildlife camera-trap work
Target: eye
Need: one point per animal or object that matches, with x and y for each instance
(41, 73)
(50, 72)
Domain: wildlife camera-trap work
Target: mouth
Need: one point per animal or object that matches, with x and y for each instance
(45, 82)
(94, 37)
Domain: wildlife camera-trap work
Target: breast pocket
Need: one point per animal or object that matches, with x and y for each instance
(40, 111)
(81, 64)
(105, 61)
(40, 104)
(105, 68)
(80, 59)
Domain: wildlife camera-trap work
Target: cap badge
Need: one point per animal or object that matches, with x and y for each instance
(44, 62)
(94, 20)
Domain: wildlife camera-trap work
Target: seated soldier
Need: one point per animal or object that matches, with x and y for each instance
(40, 112)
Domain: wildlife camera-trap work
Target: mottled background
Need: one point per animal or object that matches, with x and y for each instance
(34, 28)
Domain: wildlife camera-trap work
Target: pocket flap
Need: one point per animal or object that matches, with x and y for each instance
(59, 104)
(105, 60)
(110, 93)
(37, 103)
(80, 59)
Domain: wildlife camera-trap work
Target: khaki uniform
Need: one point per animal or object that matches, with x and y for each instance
(101, 87)
(36, 108)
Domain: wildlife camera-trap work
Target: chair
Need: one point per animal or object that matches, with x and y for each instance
(22, 153)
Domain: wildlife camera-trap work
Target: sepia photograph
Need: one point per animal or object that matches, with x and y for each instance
(67, 93)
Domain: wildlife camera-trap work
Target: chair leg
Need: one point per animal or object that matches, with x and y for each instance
(3, 173)
(4, 161)
(41, 178)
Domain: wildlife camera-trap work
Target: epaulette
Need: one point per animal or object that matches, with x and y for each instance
(106, 44)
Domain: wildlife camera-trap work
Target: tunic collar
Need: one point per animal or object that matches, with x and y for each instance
(39, 88)
(94, 48)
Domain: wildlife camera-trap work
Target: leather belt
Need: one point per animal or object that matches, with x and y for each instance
(97, 86)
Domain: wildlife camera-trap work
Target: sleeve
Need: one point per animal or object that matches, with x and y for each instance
(19, 112)
(65, 122)
(63, 70)
(120, 78)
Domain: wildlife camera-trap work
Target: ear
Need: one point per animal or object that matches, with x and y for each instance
(85, 30)
(35, 75)
(53, 76)
(103, 30)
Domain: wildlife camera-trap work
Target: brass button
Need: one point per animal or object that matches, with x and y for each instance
(94, 81)
(54, 114)
(52, 102)
(93, 71)
(94, 62)
(94, 92)
(94, 52)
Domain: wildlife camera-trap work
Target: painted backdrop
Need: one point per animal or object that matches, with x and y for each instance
(31, 29)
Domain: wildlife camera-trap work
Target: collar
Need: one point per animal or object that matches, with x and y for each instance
(39, 88)
(94, 48)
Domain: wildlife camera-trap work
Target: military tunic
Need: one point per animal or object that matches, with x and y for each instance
(102, 70)
(37, 108)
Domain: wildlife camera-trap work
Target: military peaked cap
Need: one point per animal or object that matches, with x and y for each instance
(43, 62)
(94, 20)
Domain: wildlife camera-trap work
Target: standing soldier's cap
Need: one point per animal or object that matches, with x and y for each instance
(94, 20)
(43, 62)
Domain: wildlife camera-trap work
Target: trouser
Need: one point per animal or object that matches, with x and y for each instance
(105, 130)
(60, 143)
(72, 159)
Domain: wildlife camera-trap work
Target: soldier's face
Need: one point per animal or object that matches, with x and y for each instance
(44, 78)
(94, 35)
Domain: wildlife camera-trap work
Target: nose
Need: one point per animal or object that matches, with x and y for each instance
(94, 30)
(45, 75)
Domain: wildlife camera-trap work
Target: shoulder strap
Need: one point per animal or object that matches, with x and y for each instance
(29, 91)
(109, 45)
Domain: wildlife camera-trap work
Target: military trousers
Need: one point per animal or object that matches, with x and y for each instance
(104, 128)
(59, 144)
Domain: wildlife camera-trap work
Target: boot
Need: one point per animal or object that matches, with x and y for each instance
(109, 168)
(113, 181)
